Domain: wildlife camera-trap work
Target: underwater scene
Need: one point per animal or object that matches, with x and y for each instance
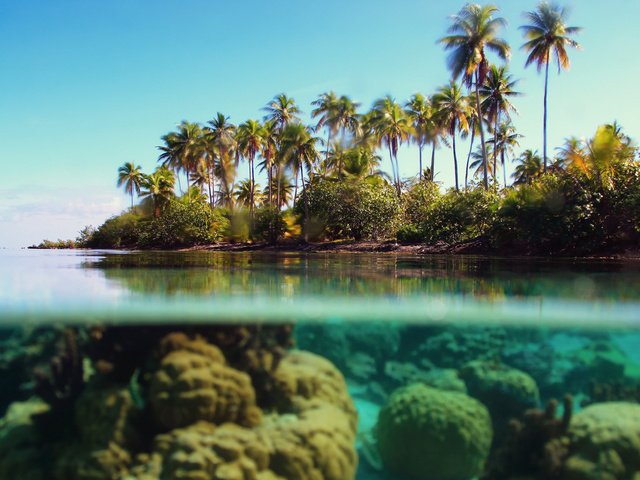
(273, 366)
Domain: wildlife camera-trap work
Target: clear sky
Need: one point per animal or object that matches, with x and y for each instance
(87, 85)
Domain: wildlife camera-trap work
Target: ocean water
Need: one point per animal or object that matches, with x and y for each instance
(212, 365)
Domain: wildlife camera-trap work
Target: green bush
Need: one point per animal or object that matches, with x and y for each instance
(183, 224)
(459, 216)
(418, 201)
(555, 213)
(269, 225)
(353, 209)
(409, 233)
(120, 231)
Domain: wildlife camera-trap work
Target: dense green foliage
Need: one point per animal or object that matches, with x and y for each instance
(357, 210)
(121, 231)
(269, 225)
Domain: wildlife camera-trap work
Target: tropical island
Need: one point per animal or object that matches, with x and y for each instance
(325, 189)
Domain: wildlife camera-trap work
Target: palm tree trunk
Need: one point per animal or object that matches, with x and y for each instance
(544, 123)
(270, 179)
(295, 189)
(131, 199)
(433, 160)
(251, 185)
(306, 206)
(398, 187)
(455, 162)
(504, 168)
(393, 166)
(473, 137)
(278, 187)
(495, 148)
(188, 187)
(484, 147)
(420, 161)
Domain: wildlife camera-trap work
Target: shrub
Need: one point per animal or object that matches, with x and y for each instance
(269, 224)
(354, 209)
(552, 214)
(183, 224)
(459, 216)
(409, 233)
(418, 201)
(120, 231)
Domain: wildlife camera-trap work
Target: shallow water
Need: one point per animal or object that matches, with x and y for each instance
(94, 334)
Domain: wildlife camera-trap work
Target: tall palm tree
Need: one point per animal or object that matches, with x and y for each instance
(473, 30)
(496, 94)
(393, 128)
(250, 138)
(547, 35)
(528, 168)
(453, 111)
(132, 178)
(159, 187)
(419, 110)
(474, 130)
(269, 151)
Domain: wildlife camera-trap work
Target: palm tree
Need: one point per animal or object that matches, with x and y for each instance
(419, 110)
(547, 34)
(222, 146)
(202, 178)
(283, 196)
(393, 128)
(505, 143)
(573, 154)
(159, 187)
(246, 195)
(250, 138)
(132, 178)
(496, 92)
(282, 110)
(182, 149)
(474, 129)
(298, 150)
(478, 164)
(474, 28)
(326, 106)
(269, 151)
(453, 111)
(528, 168)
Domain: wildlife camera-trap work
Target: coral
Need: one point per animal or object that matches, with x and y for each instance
(604, 443)
(193, 383)
(452, 347)
(425, 433)
(399, 374)
(21, 451)
(311, 439)
(535, 445)
(505, 391)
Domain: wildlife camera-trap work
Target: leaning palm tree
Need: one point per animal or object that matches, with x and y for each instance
(496, 93)
(453, 112)
(393, 128)
(132, 178)
(159, 187)
(529, 167)
(250, 138)
(475, 29)
(547, 34)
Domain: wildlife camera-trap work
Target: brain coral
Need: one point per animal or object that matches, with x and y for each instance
(425, 433)
(605, 443)
(311, 438)
(193, 383)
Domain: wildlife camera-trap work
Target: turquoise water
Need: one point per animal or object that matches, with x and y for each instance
(163, 365)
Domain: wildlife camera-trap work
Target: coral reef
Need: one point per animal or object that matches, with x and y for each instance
(425, 433)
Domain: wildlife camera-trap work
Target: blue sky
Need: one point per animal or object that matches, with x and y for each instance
(90, 84)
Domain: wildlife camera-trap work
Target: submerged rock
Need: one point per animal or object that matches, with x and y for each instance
(425, 433)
